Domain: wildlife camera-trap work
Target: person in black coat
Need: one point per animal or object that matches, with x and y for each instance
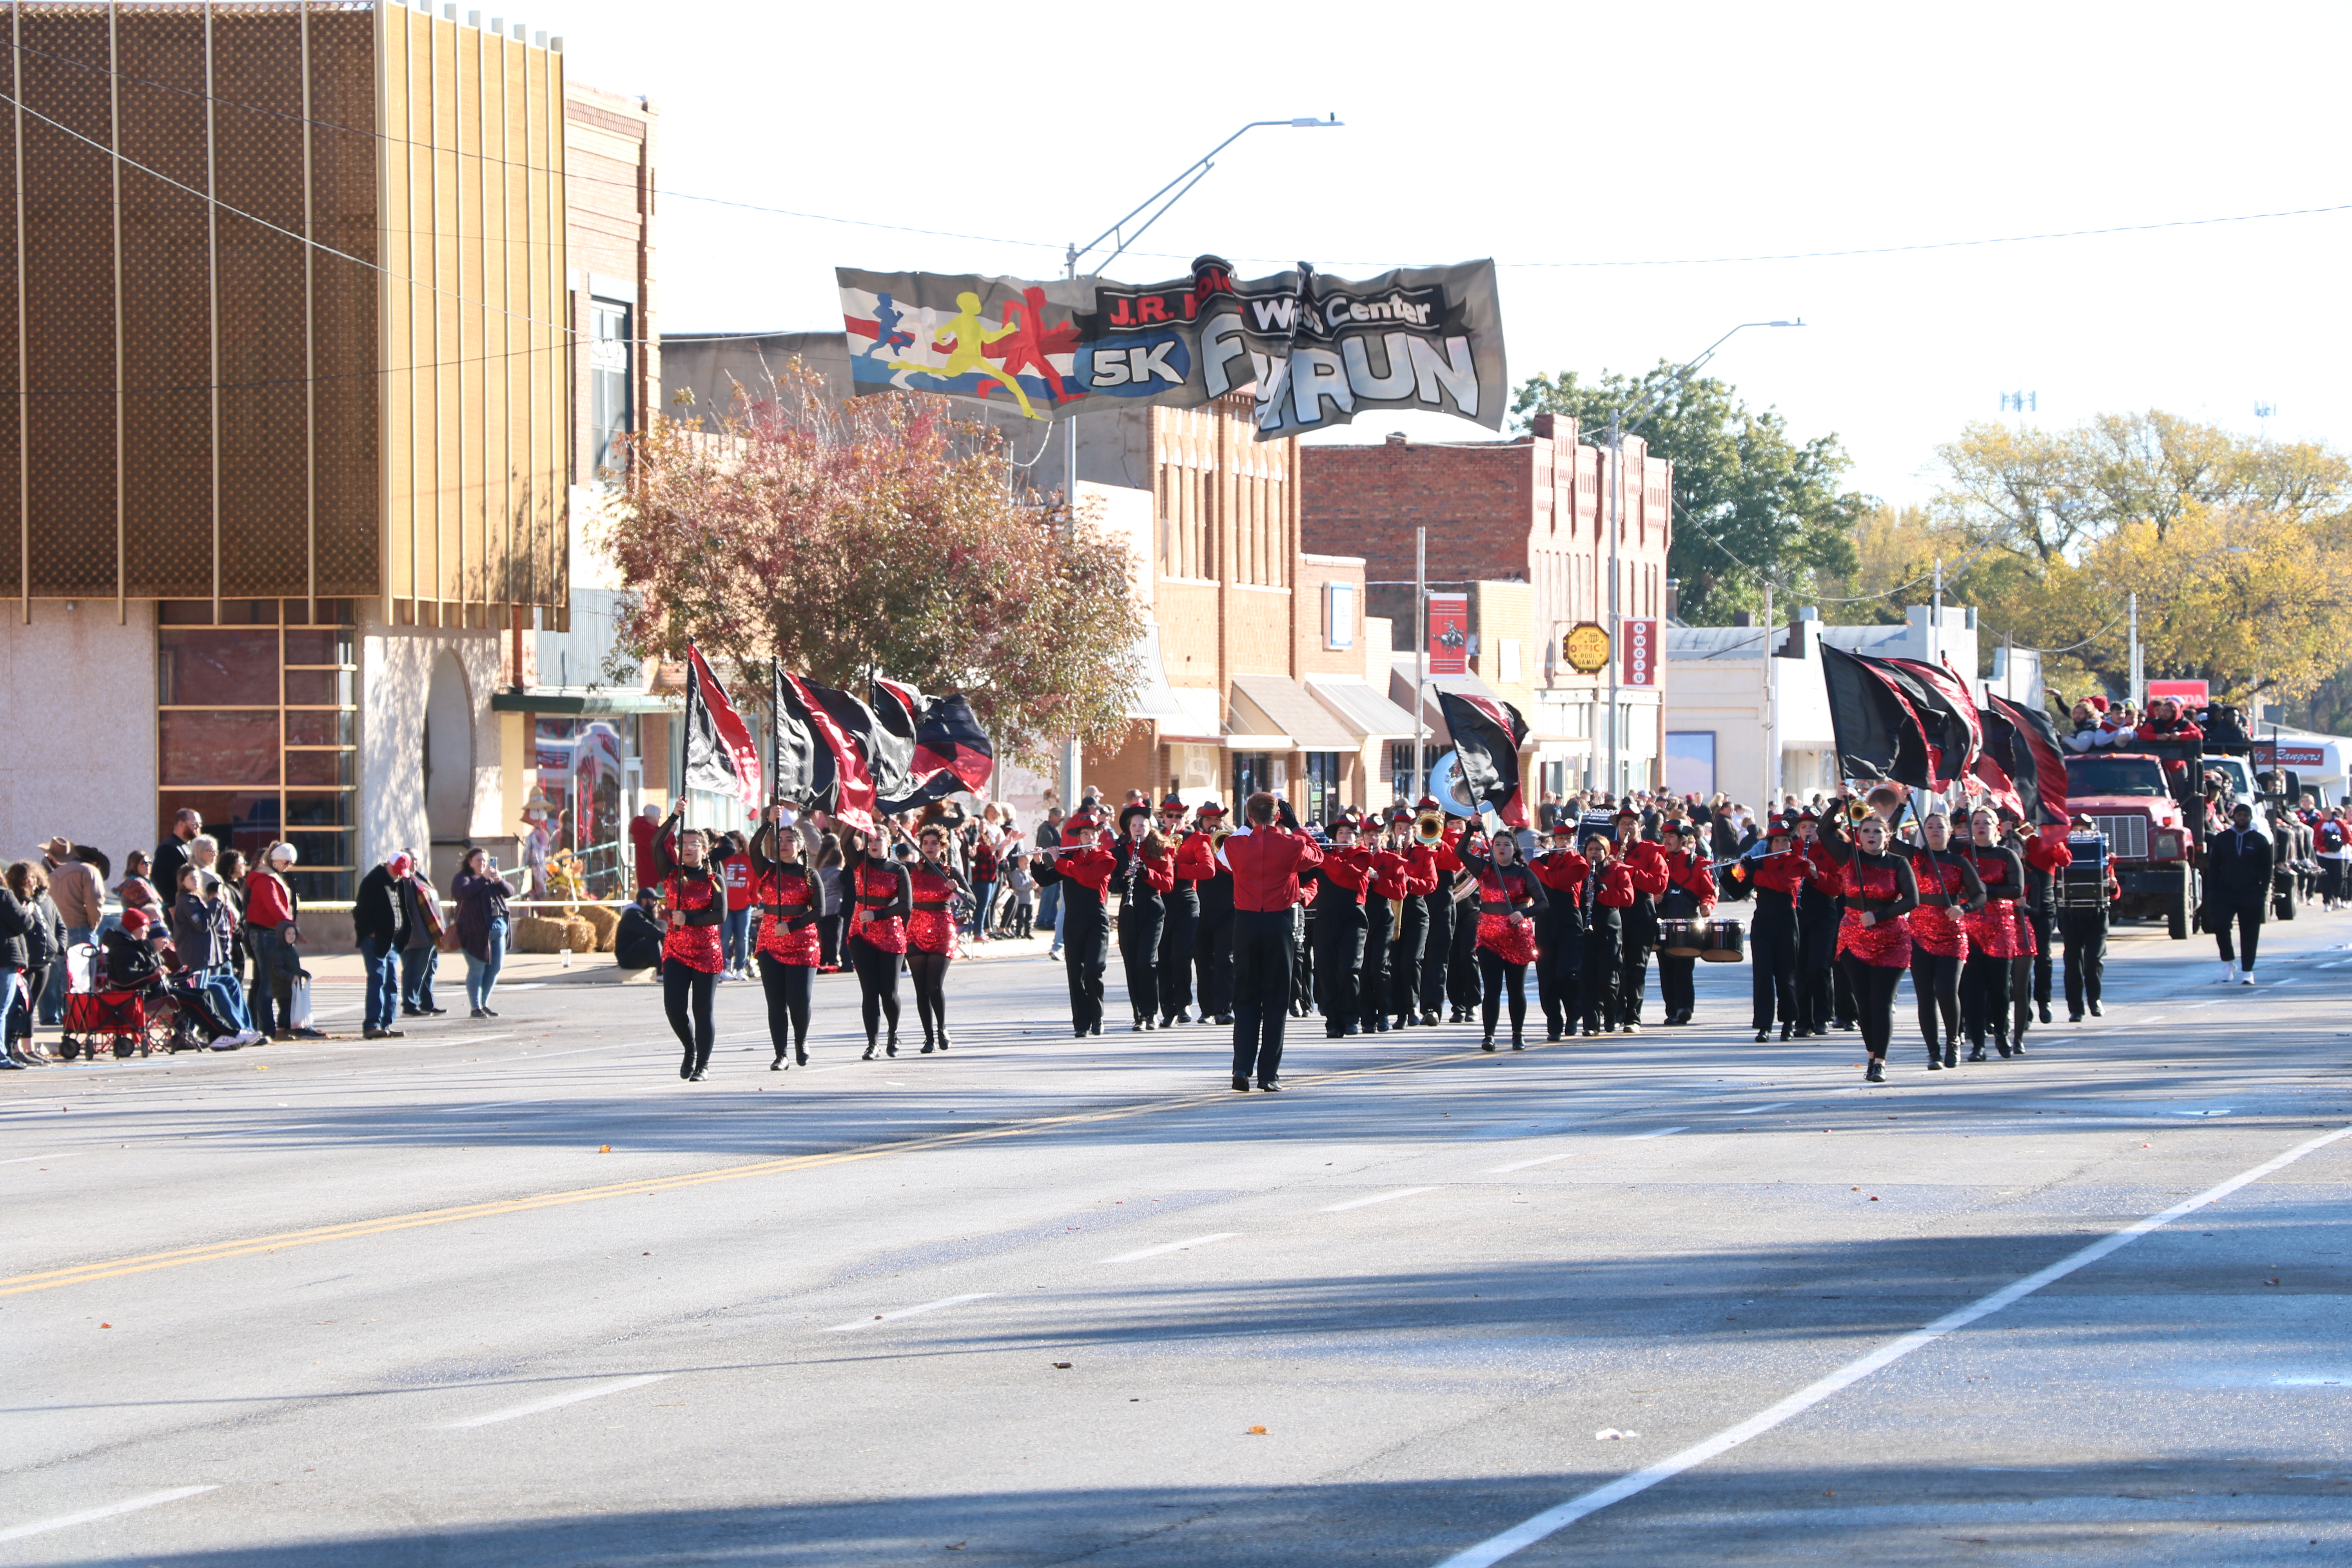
(637, 944)
(380, 921)
(2238, 890)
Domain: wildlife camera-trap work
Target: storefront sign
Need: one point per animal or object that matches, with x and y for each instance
(2282, 755)
(1449, 634)
(1586, 647)
(1641, 652)
(2196, 693)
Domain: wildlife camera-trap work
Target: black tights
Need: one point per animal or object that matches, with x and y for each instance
(878, 985)
(1873, 1000)
(682, 984)
(787, 985)
(1937, 979)
(1499, 978)
(1984, 995)
(931, 974)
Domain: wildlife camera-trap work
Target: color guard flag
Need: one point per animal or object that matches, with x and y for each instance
(1486, 734)
(817, 706)
(720, 755)
(1879, 738)
(799, 765)
(2026, 743)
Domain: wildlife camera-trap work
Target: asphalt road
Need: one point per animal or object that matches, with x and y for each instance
(510, 1292)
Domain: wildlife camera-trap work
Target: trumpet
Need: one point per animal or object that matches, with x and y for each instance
(1217, 839)
(1429, 827)
(1856, 810)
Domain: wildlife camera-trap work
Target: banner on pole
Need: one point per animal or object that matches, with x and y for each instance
(1317, 351)
(1641, 652)
(1449, 634)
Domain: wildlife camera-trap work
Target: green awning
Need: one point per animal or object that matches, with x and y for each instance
(576, 701)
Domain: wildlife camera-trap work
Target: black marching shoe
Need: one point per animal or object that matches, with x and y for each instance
(2073, 1017)
(2097, 1011)
(1951, 1051)
(2017, 1047)
(1764, 1035)
(928, 1046)
(1488, 1044)
(1269, 1086)
(890, 1046)
(778, 1064)
(800, 1054)
(1976, 1050)
(696, 1077)
(1877, 1073)
(943, 1039)
(1225, 1020)
(2001, 1042)
(1429, 1019)
(1935, 1060)
(2045, 1012)
(1241, 1086)
(686, 1068)
(1517, 1044)
(869, 1052)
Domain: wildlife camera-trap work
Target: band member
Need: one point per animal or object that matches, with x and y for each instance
(1993, 938)
(785, 891)
(1340, 926)
(1400, 880)
(1560, 931)
(1779, 875)
(1437, 952)
(1873, 942)
(878, 930)
(2045, 852)
(1194, 863)
(1645, 864)
(1462, 958)
(1265, 859)
(1384, 883)
(1607, 895)
(2237, 862)
(1145, 874)
(1082, 869)
(1818, 914)
(694, 906)
(933, 886)
(1509, 897)
(1689, 894)
(1212, 948)
(1950, 891)
(2086, 932)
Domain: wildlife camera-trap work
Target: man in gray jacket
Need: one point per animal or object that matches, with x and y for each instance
(80, 899)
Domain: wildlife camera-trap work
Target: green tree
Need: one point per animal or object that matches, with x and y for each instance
(1750, 503)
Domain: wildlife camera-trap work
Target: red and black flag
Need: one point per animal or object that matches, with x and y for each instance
(1948, 711)
(2025, 742)
(819, 708)
(719, 754)
(951, 752)
(801, 767)
(1879, 736)
(1486, 734)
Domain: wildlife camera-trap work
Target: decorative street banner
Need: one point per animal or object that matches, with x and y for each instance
(1317, 350)
(1641, 652)
(1449, 634)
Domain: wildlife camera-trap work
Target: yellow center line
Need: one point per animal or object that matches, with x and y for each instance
(110, 1269)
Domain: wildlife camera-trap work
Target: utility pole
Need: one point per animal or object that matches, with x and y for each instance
(1771, 741)
(1616, 624)
(1936, 621)
(1421, 664)
(2132, 610)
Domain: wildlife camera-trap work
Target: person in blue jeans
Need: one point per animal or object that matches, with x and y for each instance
(482, 925)
(380, 921)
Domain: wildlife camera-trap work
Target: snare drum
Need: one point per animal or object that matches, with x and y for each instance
(1725, 943)
(1683, 938)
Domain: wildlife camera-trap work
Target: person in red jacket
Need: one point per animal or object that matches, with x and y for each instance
(1145, 874)
(1438, 948)
(1338, 920)
(1994, 937)
(1560, 934)
(1407, 888)
(694, 906)
(1645, 864)
(1196, 862)
(1689, 894)
(933, 888)
(1873, 942)
(1510, 899)
(1950, 891)
(1082, 868)
(881, 898)
(784, 894)
(2165, 721)
(1384, 868)
(1778, 873)
(1266, 858)
(1608, 896)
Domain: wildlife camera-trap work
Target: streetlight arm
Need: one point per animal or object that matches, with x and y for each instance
(1626, 421)
(1190, 175)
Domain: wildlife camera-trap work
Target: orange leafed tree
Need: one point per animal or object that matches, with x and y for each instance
(879, 534)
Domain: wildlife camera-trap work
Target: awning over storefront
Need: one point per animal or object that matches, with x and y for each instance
(1271, 705)
(1153, 699)
(1204, 716)
(579, 702)
(1368, 713)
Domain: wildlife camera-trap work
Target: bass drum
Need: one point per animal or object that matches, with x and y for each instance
(1725, 943)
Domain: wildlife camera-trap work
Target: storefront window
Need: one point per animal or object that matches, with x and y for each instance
(1319, 792)
(579, 764)
(257, 727)
(1252, 771)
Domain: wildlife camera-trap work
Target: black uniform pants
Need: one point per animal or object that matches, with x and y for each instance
(1677, 986)
(1501, 981)
(1213, 956)
(1772, 984)
(1139, 927)
(1086, 944)
(1462, 964)
(1816, 966)
(1339, 954)
(685, 987)
(2248, 919)
(1372, 974)
(1937, 980)
(787, 986)
(1179, 935)
(1405, 950)
(1598, 981)
(928, 971)
(1303, 991)
(1874, 994)
(1261, 947)
(2086, 955)
(1984, 995)
(2042, 917)
(878, 986)
(1437, 952)
(1633, 978)
(1559, 961)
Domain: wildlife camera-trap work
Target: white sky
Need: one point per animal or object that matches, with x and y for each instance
(1536, 134)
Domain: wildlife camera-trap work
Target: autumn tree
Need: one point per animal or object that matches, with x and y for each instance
(876, 534)
(1751, 503)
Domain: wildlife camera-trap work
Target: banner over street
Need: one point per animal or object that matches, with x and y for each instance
(1316, 351)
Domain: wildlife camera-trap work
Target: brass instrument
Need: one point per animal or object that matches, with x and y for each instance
(1856, 810)
(1429, 827)
(1217, 839)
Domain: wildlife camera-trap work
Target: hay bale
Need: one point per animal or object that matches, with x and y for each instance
(537, 934)
(607, 923)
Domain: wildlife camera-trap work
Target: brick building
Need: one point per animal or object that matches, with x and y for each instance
(1521, 526)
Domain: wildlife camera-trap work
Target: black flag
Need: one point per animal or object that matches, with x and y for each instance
(1486, 734)
(801, 762)
(1948, 711)
(719, 756)
(951, 751)
(1878, 736)
(2028, 752)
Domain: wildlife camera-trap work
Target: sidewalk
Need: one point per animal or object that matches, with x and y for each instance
(342, 969)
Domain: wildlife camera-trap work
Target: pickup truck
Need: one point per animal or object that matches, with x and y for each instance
(2149, 840)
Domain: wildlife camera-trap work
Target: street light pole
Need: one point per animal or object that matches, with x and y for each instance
(1622, 424)
(1192, 174)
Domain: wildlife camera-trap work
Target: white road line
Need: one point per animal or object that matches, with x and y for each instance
(1494, 1549)
(1375, 1199)
(30, 1158)
(1759, 1109)
(92, 1515)
(554, 1402)
(1172, 1247)
(909, 1312)
(1573, 1153)
(2337, 965)
(2277, 984)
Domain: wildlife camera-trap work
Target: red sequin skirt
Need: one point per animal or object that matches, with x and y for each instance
(1936, 929)
(1993, 931)
(1514, 942)
(1886, 944)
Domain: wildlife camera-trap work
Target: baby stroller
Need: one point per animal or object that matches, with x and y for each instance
(125, 1023)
